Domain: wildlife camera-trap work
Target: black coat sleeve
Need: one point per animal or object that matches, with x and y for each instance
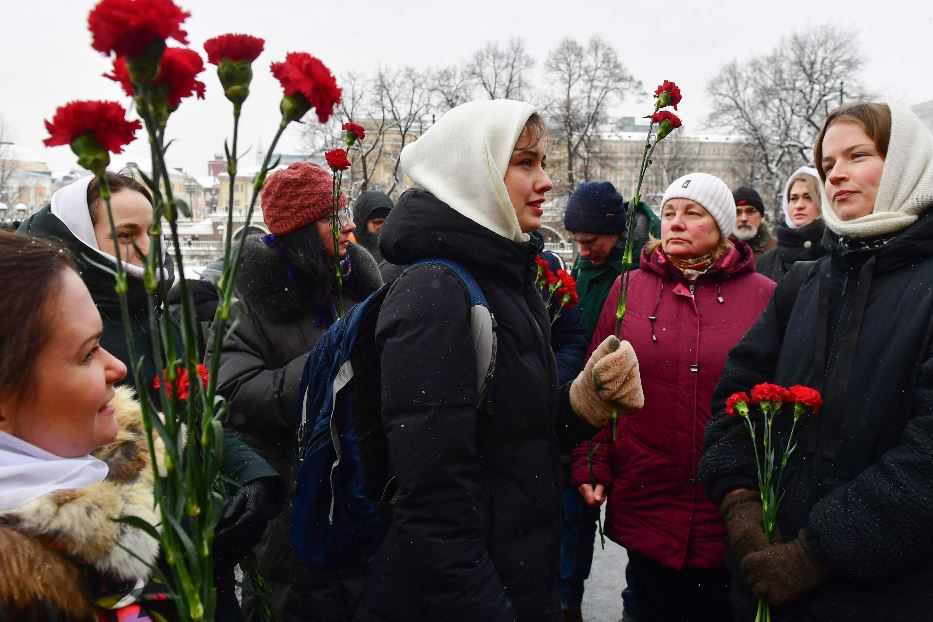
(263, 399)
(878, 525)
(437, 544)
(569, 343)
(728, 460)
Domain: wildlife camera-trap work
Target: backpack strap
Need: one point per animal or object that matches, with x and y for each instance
(482, 325)
(785, 295)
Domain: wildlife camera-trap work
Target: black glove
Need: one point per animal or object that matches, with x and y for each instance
(246, 512)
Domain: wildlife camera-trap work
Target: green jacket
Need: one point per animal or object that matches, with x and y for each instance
(594, 282)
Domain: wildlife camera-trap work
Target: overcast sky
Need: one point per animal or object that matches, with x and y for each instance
(47, 58)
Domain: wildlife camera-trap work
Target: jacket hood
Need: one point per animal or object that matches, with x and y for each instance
(738, 260)
(421, 225)
(367, 203)
(98, 280)
(462, 160)
(803, 170)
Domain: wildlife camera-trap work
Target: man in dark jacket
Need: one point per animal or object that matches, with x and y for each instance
(750, 224)
(369, 213)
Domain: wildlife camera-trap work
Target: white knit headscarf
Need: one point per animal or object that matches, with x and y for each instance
(803, 170)
(462, 160)
(906, 188)
(69, 204)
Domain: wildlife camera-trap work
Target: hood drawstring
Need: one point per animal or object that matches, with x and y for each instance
(719, 292)
(654, 314)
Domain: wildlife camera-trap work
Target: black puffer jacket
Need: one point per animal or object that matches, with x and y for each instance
(476, 524)
(860, 484)
(793, 245)
(262, 361)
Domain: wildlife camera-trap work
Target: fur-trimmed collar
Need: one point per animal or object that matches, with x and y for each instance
(79, 521)
(264, 284)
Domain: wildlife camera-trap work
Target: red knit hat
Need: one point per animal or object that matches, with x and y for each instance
(296, 196)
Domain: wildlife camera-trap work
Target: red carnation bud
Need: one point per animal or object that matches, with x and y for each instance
(667, 122)
(233, 54)
(183, 389)
(737, 405)
(131, 27)
(337, 160)
(94, 129)
(307, 83)
(354, 131)
(806, 396)
(767, 392)
(176, 80)
(667, 94)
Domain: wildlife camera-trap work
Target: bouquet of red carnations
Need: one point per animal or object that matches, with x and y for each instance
(558, 288)
(770, 400)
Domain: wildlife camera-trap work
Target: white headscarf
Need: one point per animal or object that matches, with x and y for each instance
(462, 160)
(69, 204)
(28, 472)
(906, 188)
(803, 170)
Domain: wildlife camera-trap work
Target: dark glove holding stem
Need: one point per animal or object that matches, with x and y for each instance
(783, 572)
(246, 512)
(741, 510)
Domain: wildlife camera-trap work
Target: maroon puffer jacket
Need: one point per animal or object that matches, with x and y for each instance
(681, 334)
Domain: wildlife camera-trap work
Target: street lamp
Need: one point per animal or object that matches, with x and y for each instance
(191, 185)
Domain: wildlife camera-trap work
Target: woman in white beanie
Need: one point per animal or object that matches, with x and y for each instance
(692, 298)
(858, 502)
(800, 239)
(476, 521)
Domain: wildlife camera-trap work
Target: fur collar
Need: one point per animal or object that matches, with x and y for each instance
(79, 521)
(264, 285)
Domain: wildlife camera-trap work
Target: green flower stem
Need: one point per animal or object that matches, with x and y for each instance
(335, 230)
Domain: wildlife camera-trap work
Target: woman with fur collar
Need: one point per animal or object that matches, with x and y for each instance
(73, 455)
(286, 288)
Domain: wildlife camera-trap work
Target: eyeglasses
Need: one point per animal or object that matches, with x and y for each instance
(344, 217)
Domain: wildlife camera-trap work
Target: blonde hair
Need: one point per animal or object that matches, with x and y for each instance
(813, 187)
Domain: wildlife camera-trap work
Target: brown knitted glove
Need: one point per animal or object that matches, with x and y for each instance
(783, 572)
(584, 396)
(742, 513)
(617, 378)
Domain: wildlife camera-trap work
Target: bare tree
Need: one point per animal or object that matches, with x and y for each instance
(405, 96)
(502, 72)
(779, 100)
(587, 81)
(673, 158)
(451, 86)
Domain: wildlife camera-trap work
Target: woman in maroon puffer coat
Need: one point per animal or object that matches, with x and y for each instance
(693, 297)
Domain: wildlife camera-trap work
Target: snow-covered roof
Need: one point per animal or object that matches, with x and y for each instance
(12, 151)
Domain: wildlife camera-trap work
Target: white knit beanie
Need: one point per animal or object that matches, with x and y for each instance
(710, 192)
(462, 160)
(906, 187)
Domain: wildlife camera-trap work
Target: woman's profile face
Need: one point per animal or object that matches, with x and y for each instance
(132, 215)
(68, 410)
(853, 166)
(324, 230)
(803, 207)
(527, 181)
(688, 231)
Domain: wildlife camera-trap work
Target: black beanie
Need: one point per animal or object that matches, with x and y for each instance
(595, 207)
(748, 196)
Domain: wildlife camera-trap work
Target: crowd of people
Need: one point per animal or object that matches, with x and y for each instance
(499, 493)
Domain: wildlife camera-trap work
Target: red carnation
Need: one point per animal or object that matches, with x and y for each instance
(94, 129)
(667, 122)
(667, 94)
(737, 404)
(337, 159)
(806, 396)
(178, 71)
(128, 27)
(304, 75)
(767, 392)
(354, 131)
(183, 385)
(233, 47)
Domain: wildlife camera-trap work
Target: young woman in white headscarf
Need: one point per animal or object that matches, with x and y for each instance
(858, 501)
(800, 239)
(476, 522)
